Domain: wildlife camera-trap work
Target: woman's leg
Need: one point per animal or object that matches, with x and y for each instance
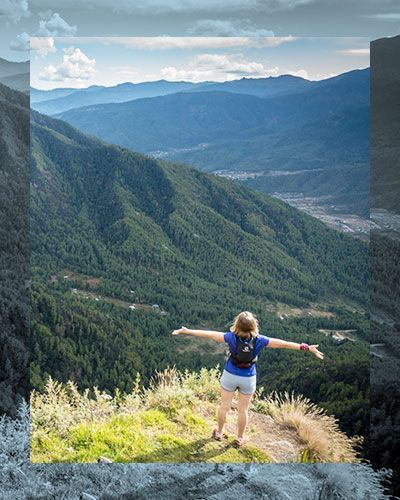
(243, 415)
(224, 407)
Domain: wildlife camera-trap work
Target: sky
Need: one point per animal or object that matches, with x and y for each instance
(182, 18)
(84, 61)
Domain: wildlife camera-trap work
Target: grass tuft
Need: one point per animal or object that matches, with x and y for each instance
(320, 433)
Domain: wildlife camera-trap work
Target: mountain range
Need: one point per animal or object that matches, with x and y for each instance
(62, 99)
(58, 100)
(320, 126)
(188, 120)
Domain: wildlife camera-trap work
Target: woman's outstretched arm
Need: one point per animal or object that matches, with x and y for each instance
(283, 344)
(208, 334)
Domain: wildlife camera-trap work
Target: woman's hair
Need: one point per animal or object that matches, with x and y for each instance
(245, 325)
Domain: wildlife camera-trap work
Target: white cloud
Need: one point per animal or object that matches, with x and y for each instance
(76, 66)
(15, 10)
(21, 43)
(219, 27)
(302, 73)
(217, 67)
(43, 45)
(52, 24)
(356, 52)
(186, 42)
(223, 67)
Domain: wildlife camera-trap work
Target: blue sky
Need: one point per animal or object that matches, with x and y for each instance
(80, 61)
(351, 18)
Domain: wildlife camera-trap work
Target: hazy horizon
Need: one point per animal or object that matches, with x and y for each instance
(199, 83)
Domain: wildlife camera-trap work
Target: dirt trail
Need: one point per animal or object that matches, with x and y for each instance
(281, 444)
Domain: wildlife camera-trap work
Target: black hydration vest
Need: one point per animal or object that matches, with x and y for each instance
(244, 355)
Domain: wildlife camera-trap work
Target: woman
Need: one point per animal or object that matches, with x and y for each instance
(245, 343)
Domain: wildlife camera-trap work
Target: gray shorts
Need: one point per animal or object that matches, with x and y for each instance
(230, 382)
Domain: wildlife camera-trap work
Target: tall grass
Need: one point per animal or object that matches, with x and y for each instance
(323, 440)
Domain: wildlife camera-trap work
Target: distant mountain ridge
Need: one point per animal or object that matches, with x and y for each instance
(59, 100)
(260, 87)
(15, 74)
(187, 119)
(66, 99)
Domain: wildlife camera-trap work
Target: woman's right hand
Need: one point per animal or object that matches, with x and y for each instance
(181, 330)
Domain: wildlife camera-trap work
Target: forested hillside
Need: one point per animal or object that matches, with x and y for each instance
(125, 248)
(14, 256)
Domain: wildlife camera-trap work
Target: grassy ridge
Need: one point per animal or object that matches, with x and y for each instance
(171, 421)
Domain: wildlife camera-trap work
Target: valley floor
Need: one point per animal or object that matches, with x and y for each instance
(346, 223)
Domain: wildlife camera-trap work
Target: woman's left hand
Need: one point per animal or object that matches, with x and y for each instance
(316, 352)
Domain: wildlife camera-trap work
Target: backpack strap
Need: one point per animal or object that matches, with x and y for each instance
(243, 365)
